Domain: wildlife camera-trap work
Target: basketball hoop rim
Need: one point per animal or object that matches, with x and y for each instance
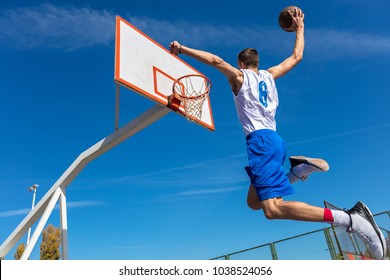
(178, 81)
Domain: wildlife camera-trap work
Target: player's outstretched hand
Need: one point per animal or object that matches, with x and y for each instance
(174, 47)
(297, 18)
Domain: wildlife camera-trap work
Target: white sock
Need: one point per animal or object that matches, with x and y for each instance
(341, 219)
(292, 178)
(300, 168)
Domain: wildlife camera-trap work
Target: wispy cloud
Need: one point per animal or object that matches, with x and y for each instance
(206, 178)
(337, 135)
(332, 44)
(214, 176)
(52, 27)
(70, 28)
(181, 174)
(12, 213)
(84, 203)
(200, 193)
(206, 192)
(71, 204)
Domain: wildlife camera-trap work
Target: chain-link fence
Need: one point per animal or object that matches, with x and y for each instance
(330, 243)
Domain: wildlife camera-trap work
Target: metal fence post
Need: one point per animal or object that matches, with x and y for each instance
(273, 251)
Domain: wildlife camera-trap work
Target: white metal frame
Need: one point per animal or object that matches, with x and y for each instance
(58, 191)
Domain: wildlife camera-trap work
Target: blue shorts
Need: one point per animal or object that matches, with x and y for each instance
(266, 154)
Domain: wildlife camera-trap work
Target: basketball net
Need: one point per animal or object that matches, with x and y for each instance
(192, 91)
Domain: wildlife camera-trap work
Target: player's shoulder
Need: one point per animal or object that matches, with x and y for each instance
(237, 80)
(264, 73)
(268, 74)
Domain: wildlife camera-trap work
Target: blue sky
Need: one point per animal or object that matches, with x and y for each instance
(138, 201)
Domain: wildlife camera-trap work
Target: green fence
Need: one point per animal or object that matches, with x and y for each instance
(330, 243)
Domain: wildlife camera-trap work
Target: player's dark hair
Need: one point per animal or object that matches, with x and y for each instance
(249, 57)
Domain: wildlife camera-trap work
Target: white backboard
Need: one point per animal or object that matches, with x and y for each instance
(149, 69)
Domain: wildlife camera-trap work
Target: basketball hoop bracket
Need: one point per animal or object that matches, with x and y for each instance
(174, 102)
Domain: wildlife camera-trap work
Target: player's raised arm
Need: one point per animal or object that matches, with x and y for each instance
(232, 74)
(297, 55)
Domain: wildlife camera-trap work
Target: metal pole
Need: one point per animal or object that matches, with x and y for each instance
(38, 230)
(273, 251)
(117, 106)
(45, 204)
(34, 189)
(331, 248)
(64, 225)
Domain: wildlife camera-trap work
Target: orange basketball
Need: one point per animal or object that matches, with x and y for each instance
(285, 20)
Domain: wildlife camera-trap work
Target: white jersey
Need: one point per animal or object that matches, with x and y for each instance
(257, 101)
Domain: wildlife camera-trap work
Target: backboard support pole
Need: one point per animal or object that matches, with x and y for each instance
(63, 225)
(46, 205)
(117, 106)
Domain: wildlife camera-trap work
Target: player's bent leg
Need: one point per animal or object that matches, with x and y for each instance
(302, 166)
(277, 208)
(252, 199)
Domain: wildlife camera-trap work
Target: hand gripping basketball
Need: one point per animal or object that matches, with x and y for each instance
(291, 18)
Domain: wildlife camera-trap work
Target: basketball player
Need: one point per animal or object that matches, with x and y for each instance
(256, 99)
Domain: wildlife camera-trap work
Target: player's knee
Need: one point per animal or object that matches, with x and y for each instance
(271, 213)
(268, 214)
(254, 205)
